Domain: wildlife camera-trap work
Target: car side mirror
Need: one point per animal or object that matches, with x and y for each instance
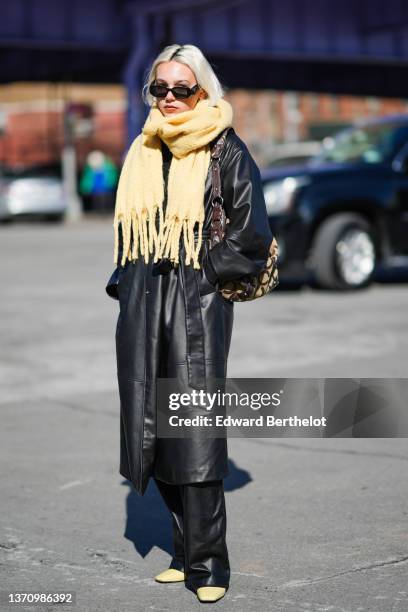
(400, 162)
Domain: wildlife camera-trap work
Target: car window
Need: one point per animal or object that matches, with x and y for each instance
(51, 170)
(370, 144)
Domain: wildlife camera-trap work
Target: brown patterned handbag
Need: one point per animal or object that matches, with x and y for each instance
(248, 287)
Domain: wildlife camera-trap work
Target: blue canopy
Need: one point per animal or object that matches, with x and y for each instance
(343, 47)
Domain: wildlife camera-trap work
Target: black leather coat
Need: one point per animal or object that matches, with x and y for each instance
(178, 325)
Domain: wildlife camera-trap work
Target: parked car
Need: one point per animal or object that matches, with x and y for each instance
(345, 212)
(32, 192)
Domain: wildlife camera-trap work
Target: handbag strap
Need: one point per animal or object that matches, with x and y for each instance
(218, 216)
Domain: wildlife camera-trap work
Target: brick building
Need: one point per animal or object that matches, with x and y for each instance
(32, 119)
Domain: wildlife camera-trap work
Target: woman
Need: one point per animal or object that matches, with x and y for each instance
(173, 321)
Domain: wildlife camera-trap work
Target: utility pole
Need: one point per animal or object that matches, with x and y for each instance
(69, 166)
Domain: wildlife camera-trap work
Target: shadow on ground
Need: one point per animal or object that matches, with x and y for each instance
(148, 522)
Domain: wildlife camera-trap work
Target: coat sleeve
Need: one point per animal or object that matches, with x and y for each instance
(113, 282)
(244, 249)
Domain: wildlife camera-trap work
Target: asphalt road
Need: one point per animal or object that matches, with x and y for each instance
(313, 524)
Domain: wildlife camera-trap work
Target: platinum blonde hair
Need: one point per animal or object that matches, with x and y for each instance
(194, 58)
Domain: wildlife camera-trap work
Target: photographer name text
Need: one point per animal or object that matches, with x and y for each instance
(259, 421)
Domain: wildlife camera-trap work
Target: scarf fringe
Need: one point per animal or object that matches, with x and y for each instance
(164, 243)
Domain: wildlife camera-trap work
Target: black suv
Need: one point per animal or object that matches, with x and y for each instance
(344, 213)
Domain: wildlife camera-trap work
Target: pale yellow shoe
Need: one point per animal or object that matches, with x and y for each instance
(170, 575)
(210, 593)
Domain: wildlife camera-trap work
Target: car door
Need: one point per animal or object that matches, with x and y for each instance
(398, 218)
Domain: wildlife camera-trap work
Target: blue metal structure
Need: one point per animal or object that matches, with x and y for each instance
(349, 47)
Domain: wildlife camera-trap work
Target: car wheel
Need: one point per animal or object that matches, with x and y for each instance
(344, 253)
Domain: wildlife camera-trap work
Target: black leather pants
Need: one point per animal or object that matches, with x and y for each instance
(199, 523)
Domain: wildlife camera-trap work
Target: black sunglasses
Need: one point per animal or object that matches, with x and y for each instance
(179, 92)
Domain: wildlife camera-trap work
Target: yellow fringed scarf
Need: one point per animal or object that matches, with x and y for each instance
(140, 190)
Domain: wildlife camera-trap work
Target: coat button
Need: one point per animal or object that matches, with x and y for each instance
(147, 291)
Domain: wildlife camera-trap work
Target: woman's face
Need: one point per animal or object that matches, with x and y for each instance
(171, 74)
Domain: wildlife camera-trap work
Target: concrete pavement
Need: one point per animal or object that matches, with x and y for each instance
(313, 525)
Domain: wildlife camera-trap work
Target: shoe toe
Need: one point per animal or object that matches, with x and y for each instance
(210, 593)
(170, 575)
